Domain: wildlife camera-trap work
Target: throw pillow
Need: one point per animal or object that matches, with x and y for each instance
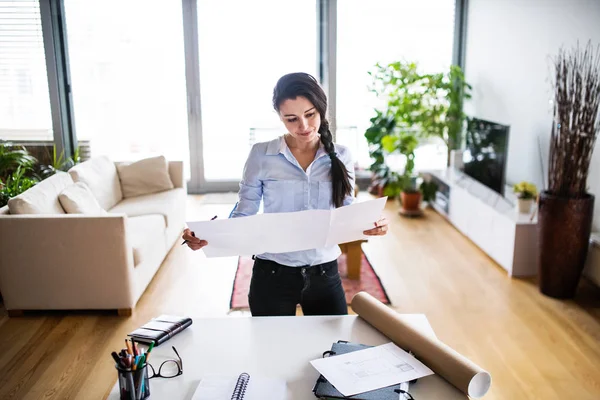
(79, 199)
(146, 176)
(43, 197)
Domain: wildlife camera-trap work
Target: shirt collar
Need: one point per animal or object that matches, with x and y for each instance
(278, 146)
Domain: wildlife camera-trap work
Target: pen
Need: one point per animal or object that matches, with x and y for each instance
(149, 350)
(194, 235)
(140, 380)
(135, 350)
(115, 357)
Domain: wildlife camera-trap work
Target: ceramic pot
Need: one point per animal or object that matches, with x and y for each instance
(564, 229)
(524, 205)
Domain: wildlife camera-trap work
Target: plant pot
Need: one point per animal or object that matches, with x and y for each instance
(455, 159)
(411, 203)
(564, 228)
(524, 205)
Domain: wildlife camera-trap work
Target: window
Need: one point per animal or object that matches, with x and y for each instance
(128, 75)
(243, 50)
(24, 97)
(386, 31)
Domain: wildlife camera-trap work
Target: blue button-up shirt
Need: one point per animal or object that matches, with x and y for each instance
(271, 173)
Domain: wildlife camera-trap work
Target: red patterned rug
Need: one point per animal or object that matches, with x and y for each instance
(368, 282)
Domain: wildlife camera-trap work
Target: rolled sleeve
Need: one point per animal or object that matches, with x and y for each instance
(251, 188)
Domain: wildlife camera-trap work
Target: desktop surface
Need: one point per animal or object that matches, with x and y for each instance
(273, 347)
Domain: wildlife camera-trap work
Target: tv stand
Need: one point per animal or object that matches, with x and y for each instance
(488, 219)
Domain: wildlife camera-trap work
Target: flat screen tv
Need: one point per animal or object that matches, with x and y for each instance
(484, 158)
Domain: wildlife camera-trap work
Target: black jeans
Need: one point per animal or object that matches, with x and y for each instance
(277, 289)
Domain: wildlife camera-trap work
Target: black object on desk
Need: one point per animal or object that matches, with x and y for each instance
(160, 329)
(323, 389)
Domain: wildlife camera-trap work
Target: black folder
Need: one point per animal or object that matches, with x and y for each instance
(323, 389)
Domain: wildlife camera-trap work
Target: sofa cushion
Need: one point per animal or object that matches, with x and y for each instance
(43, 197)
(79, 199)
(145, 233)
(168, 204)
(146, 176)
(100, 174)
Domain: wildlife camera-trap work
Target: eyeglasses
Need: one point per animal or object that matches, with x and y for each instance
(169, 368)
(407, 395)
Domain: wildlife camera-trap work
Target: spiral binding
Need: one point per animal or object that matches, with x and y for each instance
(240, 387)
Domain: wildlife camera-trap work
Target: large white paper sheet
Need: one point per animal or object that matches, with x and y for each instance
(286, 232)
(370, 369)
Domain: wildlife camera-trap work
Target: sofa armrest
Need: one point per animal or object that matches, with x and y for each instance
(69, 261)
(176, 174)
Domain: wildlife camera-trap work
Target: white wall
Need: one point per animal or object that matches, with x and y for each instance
(510, 44)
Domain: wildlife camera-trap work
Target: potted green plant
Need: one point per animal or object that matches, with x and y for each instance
(526, 194)
(442, 115)
(19, 170)
(381, 125)
(431, 104)
(385, 182)
(405, 142)
(429, 189)
(565, 210)
(394, 128)
(16, 171)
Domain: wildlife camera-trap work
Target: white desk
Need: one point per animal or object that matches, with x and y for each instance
(278, 347)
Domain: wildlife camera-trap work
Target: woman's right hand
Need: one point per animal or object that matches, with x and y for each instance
(192, 241)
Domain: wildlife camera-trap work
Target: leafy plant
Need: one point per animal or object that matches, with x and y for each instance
(381, 125)
(19, 170)
(525, 190)
(428, 188)
(443, 116)
(13, 158)
(15, 184)
(429, 104)
(59, 163)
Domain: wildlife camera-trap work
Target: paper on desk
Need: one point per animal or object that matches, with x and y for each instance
(218, 387)
(285, 232)
(373, 368)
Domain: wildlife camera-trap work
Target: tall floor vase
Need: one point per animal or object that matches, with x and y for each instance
(564, 228)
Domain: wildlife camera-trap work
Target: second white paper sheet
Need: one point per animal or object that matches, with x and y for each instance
(373, 368)
(285, 232)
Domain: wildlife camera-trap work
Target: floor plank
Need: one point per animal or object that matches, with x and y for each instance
(534, 347)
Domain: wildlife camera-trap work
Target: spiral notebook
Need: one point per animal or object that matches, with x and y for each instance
(242, 387)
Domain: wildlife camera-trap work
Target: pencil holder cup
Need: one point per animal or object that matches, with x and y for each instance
(133, 385)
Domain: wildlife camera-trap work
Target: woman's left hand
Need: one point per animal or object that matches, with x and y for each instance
(381, 228)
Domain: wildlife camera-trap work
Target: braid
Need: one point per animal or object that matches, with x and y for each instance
(340, 177)
(326, 137)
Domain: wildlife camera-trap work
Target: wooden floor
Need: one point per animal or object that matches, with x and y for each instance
(534, 347)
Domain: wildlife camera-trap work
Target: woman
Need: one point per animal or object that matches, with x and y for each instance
(300, 170)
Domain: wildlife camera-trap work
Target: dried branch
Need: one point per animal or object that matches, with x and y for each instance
(576, 120)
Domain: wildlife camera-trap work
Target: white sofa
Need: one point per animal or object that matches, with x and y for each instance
(53, 260)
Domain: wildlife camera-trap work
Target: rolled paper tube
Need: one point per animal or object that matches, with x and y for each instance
(465, 375)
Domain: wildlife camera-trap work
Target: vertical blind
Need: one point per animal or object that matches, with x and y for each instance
(24, 96)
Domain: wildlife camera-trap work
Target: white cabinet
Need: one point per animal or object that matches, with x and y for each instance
(491, 222)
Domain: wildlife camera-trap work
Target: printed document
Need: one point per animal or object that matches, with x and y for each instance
(285, 232)
(370, 369)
